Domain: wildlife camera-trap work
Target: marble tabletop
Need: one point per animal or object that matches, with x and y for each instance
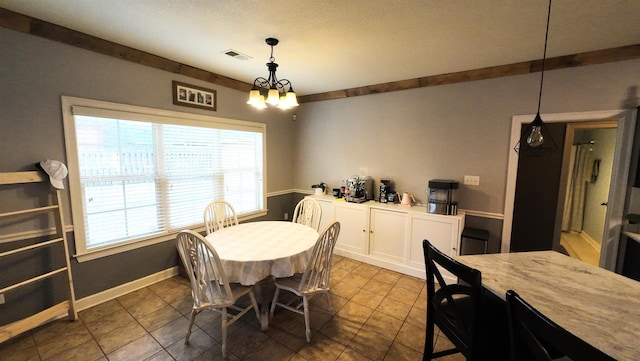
(599, 306)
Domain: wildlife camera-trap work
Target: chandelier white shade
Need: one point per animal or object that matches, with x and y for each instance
(271, 91)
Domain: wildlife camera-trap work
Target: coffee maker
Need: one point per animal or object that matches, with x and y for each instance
(441, 200)
(385, 190)
(359, 189)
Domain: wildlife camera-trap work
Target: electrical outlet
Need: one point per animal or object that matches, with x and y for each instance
(472, 180)
(286, 216)
(1, 298)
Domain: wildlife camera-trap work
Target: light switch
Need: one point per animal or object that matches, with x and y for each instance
(472, 180)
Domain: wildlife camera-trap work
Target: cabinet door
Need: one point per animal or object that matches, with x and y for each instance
(354, 227)
(328, 215)
(387, 237)
(441, 232)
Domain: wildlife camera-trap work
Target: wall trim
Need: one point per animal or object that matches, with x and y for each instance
(482, 214)
(303, 191)
(281, 193)
(107, 295)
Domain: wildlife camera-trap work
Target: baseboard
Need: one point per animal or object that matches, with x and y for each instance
(382, 263)
(106, 295)
(592, 242)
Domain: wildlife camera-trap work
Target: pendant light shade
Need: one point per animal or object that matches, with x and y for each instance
(536, 138)
(271, 91)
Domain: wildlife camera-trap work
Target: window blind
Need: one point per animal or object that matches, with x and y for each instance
(140, 175)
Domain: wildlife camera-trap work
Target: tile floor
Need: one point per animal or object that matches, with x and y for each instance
(376, 315)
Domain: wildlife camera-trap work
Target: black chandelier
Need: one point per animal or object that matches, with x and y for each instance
(536, 132)
(271, 90)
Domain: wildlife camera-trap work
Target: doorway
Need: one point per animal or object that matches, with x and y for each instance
(587, 162)
(619, 178)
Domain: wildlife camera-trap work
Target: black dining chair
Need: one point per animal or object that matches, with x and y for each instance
(471, 320)
(533, 336)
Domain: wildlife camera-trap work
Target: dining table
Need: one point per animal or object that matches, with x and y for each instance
(599, 306)
(254, 253)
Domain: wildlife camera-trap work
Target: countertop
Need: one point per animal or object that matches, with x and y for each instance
(599, 306)
(417, 208)
(634, 236)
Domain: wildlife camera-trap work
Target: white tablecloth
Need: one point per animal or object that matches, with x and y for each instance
(252, 251)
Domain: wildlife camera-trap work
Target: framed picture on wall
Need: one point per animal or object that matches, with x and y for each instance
(193, 96)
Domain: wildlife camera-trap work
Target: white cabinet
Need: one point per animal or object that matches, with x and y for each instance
(387, 238)
(390, 235)
(354, 227)
(442, 231)
(328, 214)
(354, 224)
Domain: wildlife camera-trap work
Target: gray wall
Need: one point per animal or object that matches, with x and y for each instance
(446, 131)
(35, 72)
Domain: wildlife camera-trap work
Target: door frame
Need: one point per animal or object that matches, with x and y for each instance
(565, 172)
(626, 119)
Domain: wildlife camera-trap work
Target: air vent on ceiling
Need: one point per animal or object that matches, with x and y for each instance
(236, 54)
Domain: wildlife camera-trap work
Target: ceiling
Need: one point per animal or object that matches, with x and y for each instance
(328, 45)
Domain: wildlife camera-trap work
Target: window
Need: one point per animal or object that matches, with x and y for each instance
(140, 175)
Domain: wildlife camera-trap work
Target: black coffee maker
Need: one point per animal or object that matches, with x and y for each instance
(385, 191)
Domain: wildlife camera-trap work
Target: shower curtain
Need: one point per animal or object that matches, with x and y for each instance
(579, 175)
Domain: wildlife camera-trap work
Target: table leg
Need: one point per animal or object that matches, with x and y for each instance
(264, 316)
(264, 290)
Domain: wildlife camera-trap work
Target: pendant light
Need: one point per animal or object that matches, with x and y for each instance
(538, 138)
(272, 91)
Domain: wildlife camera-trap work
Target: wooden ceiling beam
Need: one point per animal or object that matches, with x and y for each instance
(29, 25)
(43, 29)
(568, 61)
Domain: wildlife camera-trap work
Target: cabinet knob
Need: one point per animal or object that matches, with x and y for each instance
(371, 231)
